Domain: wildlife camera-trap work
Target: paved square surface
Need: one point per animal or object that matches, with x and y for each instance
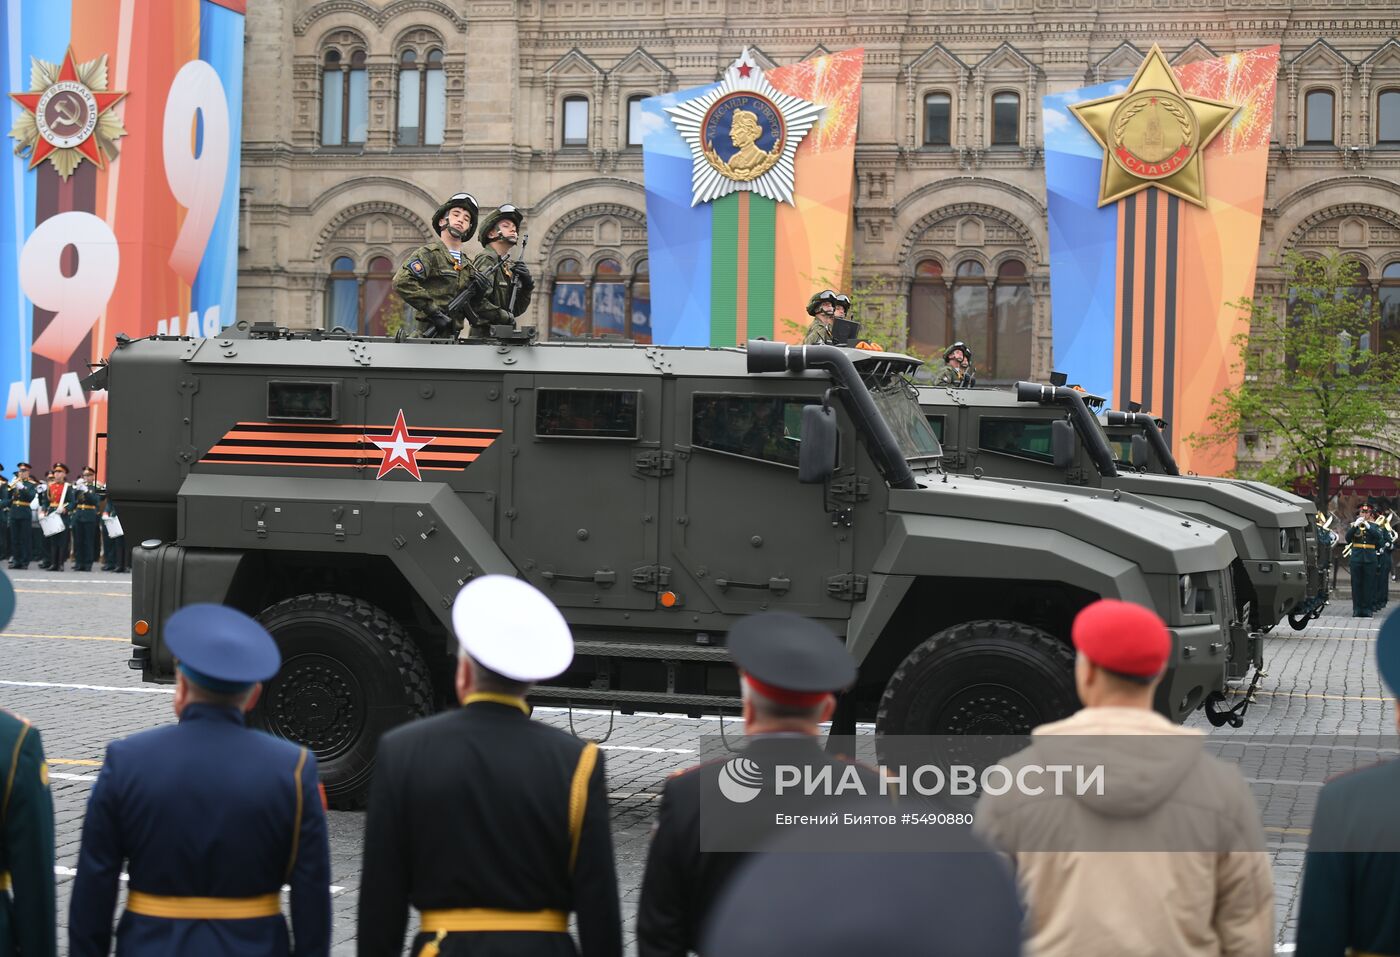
(65, 669)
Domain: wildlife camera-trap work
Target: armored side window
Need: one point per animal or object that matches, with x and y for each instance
(935, 422)
(763, 427)
(587, 413)
(1122, 445)
(1025, 438)
(301, 401)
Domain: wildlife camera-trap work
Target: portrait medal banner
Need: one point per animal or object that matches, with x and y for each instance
(743, 136)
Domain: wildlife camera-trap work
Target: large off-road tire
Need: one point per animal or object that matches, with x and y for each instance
(349, 673)
(980, 677)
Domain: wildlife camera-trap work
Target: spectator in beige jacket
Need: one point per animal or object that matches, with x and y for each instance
(1163, 853)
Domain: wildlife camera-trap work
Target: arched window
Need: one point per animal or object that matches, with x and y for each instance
(1388, 321)
(1317, 118)
(365, 303)
(1388, 118)
(609, 299)
(606, 303)
(568, 307)
(382, 311)
(929, 310)
(344, 99)
(639, 313)
(422, 99)
(938, 119)
(575, 126)
(972, 303)
(1011, 333)
(1006, 119)
(635, 124)
(343, 295)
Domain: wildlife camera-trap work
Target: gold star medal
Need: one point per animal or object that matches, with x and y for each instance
(1153, 134)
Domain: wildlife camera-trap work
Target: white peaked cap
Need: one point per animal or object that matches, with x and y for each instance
(510, 628)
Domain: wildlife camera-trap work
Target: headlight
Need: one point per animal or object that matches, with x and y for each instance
(1288, 541)
(1188, 594)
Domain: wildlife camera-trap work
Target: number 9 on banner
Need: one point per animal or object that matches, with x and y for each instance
(196, 179)
(77, 300)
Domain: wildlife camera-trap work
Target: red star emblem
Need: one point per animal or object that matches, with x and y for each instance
(68, 73)
(400, 449)
(745, 70)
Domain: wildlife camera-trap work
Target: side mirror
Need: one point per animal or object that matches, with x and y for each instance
(1138, 452)
(1062, 443)
(816, 459)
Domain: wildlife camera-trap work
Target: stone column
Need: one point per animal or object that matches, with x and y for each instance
(383, 84)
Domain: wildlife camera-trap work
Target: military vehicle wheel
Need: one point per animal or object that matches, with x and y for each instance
(349, 673)
(980, 677)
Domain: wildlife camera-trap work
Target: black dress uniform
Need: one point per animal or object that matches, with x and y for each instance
(493, 826)
(1351, 875)
(211, 819)
(4, 517)
(87, 496)
(26, 843)
(690, 862)
(481, 810)
(1364, 536)
(22, 493)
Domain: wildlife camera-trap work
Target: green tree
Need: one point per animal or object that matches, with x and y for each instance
(1311, 388)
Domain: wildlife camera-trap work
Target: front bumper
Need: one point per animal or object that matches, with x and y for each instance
(1197, 668)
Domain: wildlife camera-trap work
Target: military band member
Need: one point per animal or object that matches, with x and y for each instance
(1383, 518)
(23, 492)
(825, 308)
(115, 555)
(791, 670)
(209, 817)
(1363, 537)
(511, 282)
(4, 516)
(436, 273)
(957, 371)
(26, 843)
(1351, 874)
(61, 499)
(88, 495)
(493, 826)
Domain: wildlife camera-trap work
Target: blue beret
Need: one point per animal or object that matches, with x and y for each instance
(1388, 652)
(221, 648)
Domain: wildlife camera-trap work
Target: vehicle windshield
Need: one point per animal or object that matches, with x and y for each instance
(898, 402)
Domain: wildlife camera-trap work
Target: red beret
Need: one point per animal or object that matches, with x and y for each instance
(1122, 637)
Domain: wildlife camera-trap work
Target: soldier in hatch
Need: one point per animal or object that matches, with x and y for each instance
(511, 282)
(437, 273)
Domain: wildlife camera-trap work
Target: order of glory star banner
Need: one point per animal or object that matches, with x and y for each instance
(749, 189)
(1155, 190)
(118, 199)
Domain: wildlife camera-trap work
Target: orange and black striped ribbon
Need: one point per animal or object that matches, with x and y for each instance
(1148, 278)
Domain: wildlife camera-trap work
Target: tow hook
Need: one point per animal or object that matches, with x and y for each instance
(1234, 716)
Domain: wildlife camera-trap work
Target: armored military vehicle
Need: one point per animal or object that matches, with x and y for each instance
(1150, 453)
(343, 489)
(1048, 433)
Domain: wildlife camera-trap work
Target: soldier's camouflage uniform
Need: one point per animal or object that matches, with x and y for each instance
(430, 279)
(495, 305)
(818, 333)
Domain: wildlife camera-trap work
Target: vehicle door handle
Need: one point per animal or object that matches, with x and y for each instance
(602, 576)
(777, 586)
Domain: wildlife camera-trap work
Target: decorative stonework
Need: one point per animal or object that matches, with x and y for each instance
(376, 15)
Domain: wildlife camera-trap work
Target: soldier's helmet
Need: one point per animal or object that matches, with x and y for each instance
(959, 345)
(506, 211)
(827, 295)
(457, 201)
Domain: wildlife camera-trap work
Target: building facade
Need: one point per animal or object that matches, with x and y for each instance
(361, 115)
